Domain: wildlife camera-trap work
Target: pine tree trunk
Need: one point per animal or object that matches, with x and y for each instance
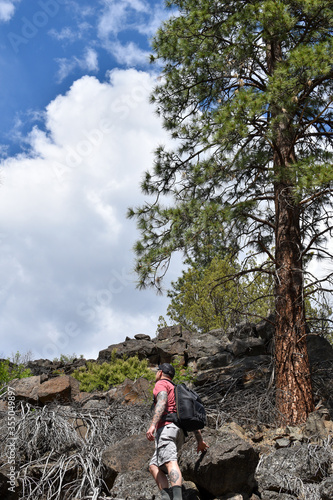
(294, 398)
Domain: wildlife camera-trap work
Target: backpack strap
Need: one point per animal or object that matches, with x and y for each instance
(172, 417)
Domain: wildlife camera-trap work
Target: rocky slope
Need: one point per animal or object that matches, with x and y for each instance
(93, 446)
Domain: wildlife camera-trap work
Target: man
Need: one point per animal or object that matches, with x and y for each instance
(168, 436)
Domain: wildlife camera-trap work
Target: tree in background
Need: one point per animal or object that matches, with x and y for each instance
(246, 90)
(199, 304)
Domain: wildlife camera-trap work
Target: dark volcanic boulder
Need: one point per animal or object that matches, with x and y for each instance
(62, 389)
(144, 349)
(227, 467)
(138, 485)
(167, 350)
(247, 347)
(132, 453)
(168, 332)
(204, 344)
(27, 388)
(319, 349)
(35, 390)
(54, 368)
(321, 360)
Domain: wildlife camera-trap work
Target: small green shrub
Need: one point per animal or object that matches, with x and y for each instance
(96, 376)
(67, 359)
(11, 370)
(59, 372)
(161, 323)
(183, 374)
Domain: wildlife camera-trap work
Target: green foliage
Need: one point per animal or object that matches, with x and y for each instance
(182, 373)
(59, 372)
(9, 370)
(246, 92)
(67, 359)
(204, 298)
(161, 323)
(96, 376)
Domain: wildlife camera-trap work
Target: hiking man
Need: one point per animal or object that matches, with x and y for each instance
(168, 436)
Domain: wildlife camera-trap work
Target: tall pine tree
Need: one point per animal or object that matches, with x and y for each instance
(246, 91)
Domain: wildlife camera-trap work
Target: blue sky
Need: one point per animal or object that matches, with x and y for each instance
(76, 134)
(48, 44)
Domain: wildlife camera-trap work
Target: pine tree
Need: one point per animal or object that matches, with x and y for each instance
(246, 90)
(199, 304)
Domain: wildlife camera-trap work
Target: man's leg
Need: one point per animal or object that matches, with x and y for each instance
(174, 438)
(161, 481)
(175, 477)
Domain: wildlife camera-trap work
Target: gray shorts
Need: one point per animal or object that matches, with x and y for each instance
(168, 441)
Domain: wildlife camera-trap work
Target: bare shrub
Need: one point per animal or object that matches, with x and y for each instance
(247, 405)
(59, 449)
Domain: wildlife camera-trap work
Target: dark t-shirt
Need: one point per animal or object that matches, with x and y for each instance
(166, 386)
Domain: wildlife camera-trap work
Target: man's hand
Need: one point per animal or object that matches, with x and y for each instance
(202, 446)
(150, 433)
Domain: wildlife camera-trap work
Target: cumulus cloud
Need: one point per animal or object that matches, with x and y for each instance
(66, 245)
(7, 9)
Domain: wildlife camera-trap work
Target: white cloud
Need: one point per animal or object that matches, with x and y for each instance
(157, 15)
(112, 20)
(88, 62)
(129, 54)
(65, 34)
(118, 16)
(7, 9)
(66, 245)
(66, 66)
(129, 15)
(71, 34)
(115, 20)
(91, 60)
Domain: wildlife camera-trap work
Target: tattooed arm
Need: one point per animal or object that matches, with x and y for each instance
(162, 399)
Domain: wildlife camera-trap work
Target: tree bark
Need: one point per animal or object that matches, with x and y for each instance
(294, 398)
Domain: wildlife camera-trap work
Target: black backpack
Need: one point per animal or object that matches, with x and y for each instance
(191, 414)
